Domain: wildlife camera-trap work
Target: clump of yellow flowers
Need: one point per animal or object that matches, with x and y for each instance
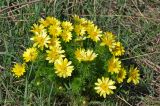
(77, 51)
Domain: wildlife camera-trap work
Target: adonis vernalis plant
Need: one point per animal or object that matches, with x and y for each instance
(75, 57)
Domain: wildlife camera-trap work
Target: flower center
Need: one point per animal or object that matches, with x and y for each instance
(31, 55)
(54, 55)
(120, 74)
(64, 69)
(112, 66)
(133, 75)
(40, 40)
(104, 86)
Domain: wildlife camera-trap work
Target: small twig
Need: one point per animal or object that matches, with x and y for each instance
(7, 91)
(124, 100)
(24, 14)
(19, 81)
(27, 3)
(151, 65)
(141, 55)
(19, 20)
(138, 10)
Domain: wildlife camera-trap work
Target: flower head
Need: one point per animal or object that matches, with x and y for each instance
(88, 24)
(37, 28)
(54, 42)
(54, 53)
(18, 69)
(85, 55)
(104, 86)
(80, 54)
(80, 30)
(121, 75)
(54, 30)
(41, 39)
(66, 36)
(67, 26)
(114, 65)
(108, 39)
(118, 49)
(49, 21)
(94, 33)
(30, 54)
(53, 21)
(63, 67)
(134, 75)
(44, 22)
(79, 20)
(90, 55)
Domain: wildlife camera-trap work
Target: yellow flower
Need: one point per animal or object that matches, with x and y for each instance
(88, 25)
(108, 39)
(104, 86)
(18, 69)
(79, 20)
(63, 67)
(37, 28)
(114, 65)
(54, 42)
(134, 75)
(30, 54)
(53, 21)
(82, 21)
(67, 26)
(118, 49)
(54, 53)
(94, 33)
(54, 30)
(80, 54)
(41, 39)
(85, 55)
(80, 30)
(66, 36)
(49, 21)
(44, 22)
(121, 75)
(90, 55)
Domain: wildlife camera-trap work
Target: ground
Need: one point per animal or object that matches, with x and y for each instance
(135, 22)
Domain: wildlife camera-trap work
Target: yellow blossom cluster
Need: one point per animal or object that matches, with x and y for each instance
(109, 40)
(50, 33)
(86, 29)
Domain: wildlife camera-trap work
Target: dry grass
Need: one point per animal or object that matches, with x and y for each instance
(136, 22)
